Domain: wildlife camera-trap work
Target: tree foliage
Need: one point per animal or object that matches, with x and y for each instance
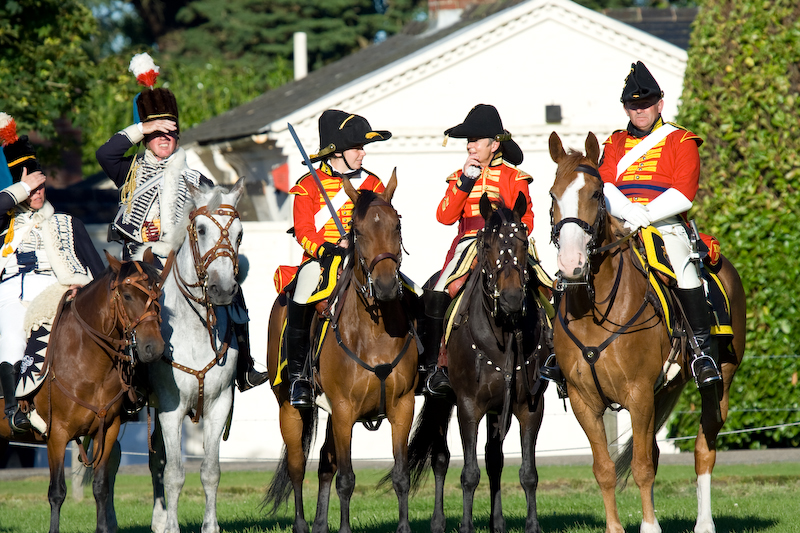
(44, 66)
(742, 95)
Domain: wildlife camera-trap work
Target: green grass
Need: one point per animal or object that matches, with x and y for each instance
(745, 499)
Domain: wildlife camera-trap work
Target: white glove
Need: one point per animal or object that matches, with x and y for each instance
(634, 214)
(667, 204)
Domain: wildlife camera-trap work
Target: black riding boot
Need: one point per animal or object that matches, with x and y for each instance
(552, 372)
(704, 366)
(436, 303)
(298, 323)
(247, 376)
(17, 420)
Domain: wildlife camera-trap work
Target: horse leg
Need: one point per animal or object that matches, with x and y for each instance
(529, 425)
(471, 474)
(157, 460)
(292, 430)
(56, 449)
(602, 465)
(494, 469)
(643, 463)
(100, 485)
(345, 477)
(213, 426)
(174, 472)
(113, 468)
(440, 461)
(327, 469)
(401, 418)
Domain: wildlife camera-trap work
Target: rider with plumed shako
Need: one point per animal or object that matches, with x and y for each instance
(490, 167)
(154, 191)
(343, 137)
(651, 174)
(40, 249)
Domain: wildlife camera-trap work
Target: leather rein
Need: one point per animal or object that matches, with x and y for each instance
(120, 347)
(222, 248)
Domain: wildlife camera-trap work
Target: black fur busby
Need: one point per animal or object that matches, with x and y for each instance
(18, 151)
(641, 86)
(152, 103)
(483, 122)
(340, 131)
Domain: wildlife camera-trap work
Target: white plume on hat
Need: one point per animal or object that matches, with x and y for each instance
(144, 68)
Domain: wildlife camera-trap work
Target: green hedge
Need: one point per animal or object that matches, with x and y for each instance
(742, 95)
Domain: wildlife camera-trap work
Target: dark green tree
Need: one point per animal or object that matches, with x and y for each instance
(742, 95)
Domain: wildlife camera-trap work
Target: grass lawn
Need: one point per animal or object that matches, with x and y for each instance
(746, 499)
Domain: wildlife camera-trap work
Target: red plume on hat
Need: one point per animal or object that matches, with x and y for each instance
(145, 69)
(8, 129)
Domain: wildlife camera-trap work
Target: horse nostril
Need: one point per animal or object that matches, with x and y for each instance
(577, 271)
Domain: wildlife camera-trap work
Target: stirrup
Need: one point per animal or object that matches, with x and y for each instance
(438, 383)
(705, 371)
(301, 395)
(550, 371)
(18, 421)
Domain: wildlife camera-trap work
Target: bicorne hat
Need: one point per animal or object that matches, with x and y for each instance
(152, 103)
(483, 122)
(641, 86)
(18, 151)
(340, 131)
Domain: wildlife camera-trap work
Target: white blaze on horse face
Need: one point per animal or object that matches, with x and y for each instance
(572, 240)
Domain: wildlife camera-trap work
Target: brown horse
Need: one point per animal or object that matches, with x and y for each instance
(367, 367)
(612, 345)
(90, 364)
(493, 367)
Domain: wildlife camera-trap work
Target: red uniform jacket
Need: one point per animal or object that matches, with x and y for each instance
(308, 202)
(672, 163)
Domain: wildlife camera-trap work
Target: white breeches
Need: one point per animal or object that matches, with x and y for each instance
(307, 281)
(448, 270)
(676, 240)
(12, 312)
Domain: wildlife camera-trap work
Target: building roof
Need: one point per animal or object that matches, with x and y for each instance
(671, 24)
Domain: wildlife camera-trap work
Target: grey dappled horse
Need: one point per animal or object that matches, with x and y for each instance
(195, 377)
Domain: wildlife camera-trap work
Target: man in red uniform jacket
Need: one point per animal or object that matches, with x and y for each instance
(651, 173)
(342, 139)
(489, 168)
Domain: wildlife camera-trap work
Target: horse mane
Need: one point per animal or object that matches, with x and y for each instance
(129, 268)
(362, 204)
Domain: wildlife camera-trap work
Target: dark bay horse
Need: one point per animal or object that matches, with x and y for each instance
(367, 367)
(90, 368)
(492, 353)
(605, 307)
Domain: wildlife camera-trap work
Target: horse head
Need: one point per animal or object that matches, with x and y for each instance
(214, 233)
(502, 248)
(135, 287)
(375, 236)
(578, 212)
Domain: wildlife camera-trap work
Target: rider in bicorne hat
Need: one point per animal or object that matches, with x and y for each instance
(489, 168)
(40, 248)
(342, 138)
(651, 172)
(154, 191)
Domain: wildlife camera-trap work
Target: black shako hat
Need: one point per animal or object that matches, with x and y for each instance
(18, 151)
(641, 86)
(340, 131)
(483, 122)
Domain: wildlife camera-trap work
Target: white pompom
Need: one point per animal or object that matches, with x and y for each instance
(141, 63)
(5, 119)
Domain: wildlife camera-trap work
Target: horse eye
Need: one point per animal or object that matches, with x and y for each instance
(128, 297)
(597, 194)
(201, 230)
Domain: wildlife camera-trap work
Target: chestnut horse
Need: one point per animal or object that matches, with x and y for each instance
(612, 345)
(492, 354)
(367, 367)
(90, 363)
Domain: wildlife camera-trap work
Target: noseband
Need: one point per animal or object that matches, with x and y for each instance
(506, 233)
(367, 270)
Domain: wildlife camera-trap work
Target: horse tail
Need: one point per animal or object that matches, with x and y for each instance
(280, 488)
(664, 402)
(429, 435)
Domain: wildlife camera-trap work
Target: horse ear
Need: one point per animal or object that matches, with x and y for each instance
(113, 262)
(485, 206)
(520, 206)
(351, 191)
(592, 148)
(237, 190)
(389, 191)
(148, 256)
(193, 191)
(557, 152)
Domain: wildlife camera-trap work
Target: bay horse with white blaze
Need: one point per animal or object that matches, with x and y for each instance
(367, 367)
(612, 344)
(97, 338)
(195, 376)
(493, 363)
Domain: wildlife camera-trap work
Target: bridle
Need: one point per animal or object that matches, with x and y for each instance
(506, 233)
(367, 289)
(222, 248)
